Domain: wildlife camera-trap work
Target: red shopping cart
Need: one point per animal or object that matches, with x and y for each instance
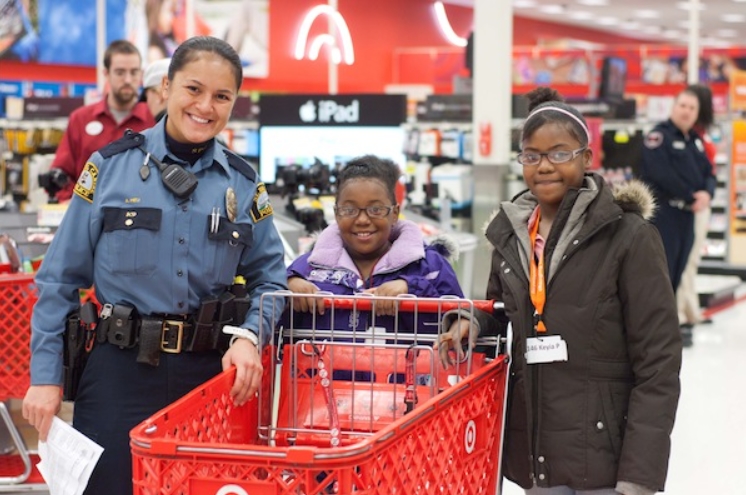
(17, 298)
(370, 411)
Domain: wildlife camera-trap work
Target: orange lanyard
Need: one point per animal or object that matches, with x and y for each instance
(538, 285)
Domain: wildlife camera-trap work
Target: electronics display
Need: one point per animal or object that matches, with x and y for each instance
(613, 78)
(304, 146)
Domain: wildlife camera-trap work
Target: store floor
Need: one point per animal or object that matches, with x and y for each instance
(709, 440)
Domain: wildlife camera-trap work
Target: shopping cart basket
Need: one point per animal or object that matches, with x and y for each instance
(339, 412)
(17, 298)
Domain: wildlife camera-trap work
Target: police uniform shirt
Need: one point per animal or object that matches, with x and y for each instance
(675, 164)
(141, 245)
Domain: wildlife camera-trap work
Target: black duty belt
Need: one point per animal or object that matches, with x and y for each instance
(173, 334)
(679, 204)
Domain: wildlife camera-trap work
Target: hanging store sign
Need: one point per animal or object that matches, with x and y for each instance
(305, 48)
(332, 110)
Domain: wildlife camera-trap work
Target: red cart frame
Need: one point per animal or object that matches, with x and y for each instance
(17, 299)
(448, 444)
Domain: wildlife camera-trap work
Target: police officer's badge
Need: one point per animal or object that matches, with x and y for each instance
(86, 184)
(653, 139)
(231, 204)
(261, 207)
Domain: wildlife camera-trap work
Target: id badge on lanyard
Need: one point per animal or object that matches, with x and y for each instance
(543, 348)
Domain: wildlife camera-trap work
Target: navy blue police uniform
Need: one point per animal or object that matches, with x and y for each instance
(143, 247)
(675, 166)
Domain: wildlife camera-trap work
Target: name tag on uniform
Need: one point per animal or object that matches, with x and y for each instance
(545, 349)
(679, 145)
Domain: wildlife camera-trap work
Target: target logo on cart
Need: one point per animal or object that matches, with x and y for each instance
(474, 435)
(470, 437)
(221, 487)
(232, 490)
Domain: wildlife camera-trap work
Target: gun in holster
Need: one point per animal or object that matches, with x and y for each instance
(78, 339)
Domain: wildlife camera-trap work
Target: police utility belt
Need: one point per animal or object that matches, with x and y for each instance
(680, 204)
(121, 325)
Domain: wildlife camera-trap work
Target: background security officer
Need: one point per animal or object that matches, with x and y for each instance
(674, 164)
(158, 251)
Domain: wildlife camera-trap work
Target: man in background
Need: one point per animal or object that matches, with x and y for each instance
(94, 126)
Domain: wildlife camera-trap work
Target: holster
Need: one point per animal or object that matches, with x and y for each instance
(75, 354)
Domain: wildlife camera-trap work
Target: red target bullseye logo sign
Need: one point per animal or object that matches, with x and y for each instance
(470, 436)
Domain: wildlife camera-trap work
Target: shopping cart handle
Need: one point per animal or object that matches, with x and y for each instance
(411, 304)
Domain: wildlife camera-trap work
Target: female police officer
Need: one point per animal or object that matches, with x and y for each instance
(157, 250)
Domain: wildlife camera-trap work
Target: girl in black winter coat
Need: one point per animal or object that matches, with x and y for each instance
(596, 351)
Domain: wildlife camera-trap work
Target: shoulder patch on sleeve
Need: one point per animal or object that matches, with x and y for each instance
(653, 139)
(261, 208)
(86, 185)
(242, 166)
(130, 140)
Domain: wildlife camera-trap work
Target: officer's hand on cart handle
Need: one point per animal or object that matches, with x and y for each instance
(305, 304)
(452, 340)
(244, 355)
(41, 404)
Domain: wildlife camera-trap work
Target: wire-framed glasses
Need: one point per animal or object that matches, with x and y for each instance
(557, 157)
(372, 211)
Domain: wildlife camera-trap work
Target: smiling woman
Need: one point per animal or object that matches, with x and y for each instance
(203, 83)
(158, 252)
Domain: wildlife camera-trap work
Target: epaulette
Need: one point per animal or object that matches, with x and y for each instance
(130, 140)
(242, 166)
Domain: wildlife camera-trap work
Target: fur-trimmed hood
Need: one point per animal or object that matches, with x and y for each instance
(632, 196)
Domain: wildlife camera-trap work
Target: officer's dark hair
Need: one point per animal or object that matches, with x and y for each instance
(706, 115)
(189, 51)
(371, 167)
(547, 97)
(119, 47)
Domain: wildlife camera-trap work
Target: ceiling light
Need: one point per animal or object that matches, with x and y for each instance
(594, 3)
(648, 14)
(552, 9)
(581, 15)
(651, 29)
(689, 6)
(608, 21)
(524, 4)
(630, 25)
(733, 18)
(671, 33)
(727, 33)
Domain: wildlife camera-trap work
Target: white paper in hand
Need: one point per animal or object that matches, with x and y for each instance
(67, 459)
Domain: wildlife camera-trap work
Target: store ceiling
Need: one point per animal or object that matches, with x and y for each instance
(723, 22)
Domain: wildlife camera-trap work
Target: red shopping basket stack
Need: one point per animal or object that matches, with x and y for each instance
(449, 443)
(17, 298)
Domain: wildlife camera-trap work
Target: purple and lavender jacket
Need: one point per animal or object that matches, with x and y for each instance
(425, 268)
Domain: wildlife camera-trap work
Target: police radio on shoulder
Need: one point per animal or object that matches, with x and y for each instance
(241, 333)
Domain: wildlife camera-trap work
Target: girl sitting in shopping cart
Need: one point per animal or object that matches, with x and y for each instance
(370, 250)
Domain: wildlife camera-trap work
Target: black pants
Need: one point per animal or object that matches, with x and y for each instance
(677, 231)
(116, 394)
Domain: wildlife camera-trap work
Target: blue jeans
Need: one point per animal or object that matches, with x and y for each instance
(566, 490)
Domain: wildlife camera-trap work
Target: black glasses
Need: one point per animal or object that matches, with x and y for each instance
(371, 211)
(532, 159)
